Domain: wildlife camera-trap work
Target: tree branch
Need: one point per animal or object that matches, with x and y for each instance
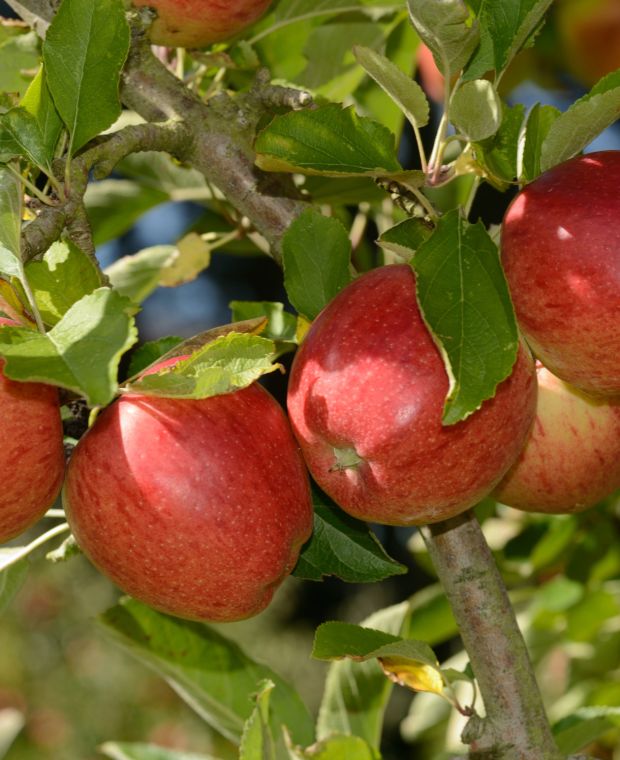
(516, 727)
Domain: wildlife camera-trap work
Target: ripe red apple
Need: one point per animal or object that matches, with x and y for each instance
(589, 32)
(196, 23)
(571, 458)
(561, 254)
(196, 507)
(32, 457)
(366, 396)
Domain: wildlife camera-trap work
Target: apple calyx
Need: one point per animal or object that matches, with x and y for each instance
(347, 458)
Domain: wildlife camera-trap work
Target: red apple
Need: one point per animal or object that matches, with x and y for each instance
(571, 459)
(561, 254)
(32, 457)
(366, 396)
(196, 507)
(196, 23)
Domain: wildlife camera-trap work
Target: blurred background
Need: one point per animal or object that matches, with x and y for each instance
(75, 690)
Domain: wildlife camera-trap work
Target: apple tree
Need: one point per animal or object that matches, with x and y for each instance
(446, 374)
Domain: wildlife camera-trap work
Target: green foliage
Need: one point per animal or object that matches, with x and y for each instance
(343, 547)
(226, 364)
(211, 673)
(468, 311)
(315, 254)
(84, 52)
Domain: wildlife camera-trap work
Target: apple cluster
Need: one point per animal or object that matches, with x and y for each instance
(368, 385)
(200, 507)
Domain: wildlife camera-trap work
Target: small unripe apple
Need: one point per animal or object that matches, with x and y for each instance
(196, 23)
(196, 507)
(32, 458)
(571, 459)
(366, 397)
(561, 254)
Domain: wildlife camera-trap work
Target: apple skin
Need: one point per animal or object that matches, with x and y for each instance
(561, 254)
(32, 457)
(196, 507)
(196, 23)
(369, 384)
(571, 459)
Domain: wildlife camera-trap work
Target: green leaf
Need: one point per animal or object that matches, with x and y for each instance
(505, 28)
(401, 88)
(18, 55)
(257, 742)
(343, 547)
(226, 364)
(448, 31)
(281, 325)
(148, 353)
(316, 253)
(465, 302)
(84, 51)
(356, 694)
(10, 224)
(498, 154)
(476, 110)
(38, 102)
(126, 751)
(330, 140)
(432, 619)
(584, 726)
(558, 595)
(405, 238)
(138, 275)
(335, 640)
(81, 352)
(337, 748)
(64, 276)
(114, 205)
(586, 118)
(537, 126)
(211, 673)
(22, 135)
(11, 580)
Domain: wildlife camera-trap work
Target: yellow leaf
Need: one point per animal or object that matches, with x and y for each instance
(303, 325)
(414, 675)
(191, 256)
(11, 305)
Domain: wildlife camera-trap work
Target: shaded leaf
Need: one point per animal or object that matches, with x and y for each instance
(465, 302)
(331, 140)
(537, 126)
(281, 325)
(316, 253)
(11, 580)
(257, 741)
(476, 110)
(447, 30)
(337, 748)
(356, 693)
(343, 547)
(585, 726)
(211, 673)
(148, 353)
(38, 102)
(405, 91)
(405, 238)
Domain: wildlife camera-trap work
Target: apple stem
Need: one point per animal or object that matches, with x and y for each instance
(516, 725)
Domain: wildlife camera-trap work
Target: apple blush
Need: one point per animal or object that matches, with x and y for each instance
(198, 508)
(196, 23)
(561, 254)
(32, 457)
(571, 459)
(366, 396)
